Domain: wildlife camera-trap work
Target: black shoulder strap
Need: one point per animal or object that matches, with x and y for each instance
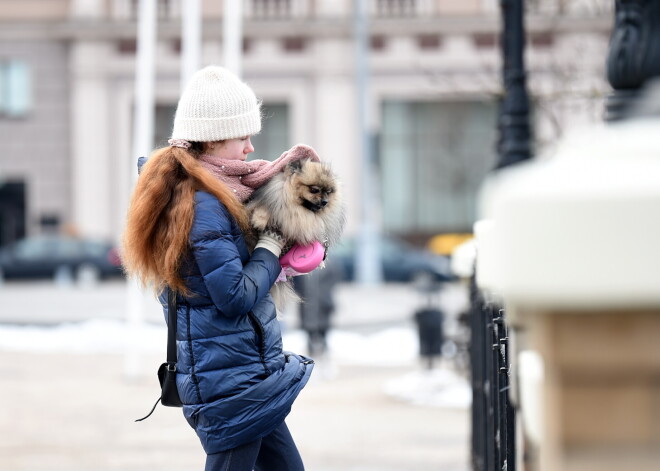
(171, 343)
(171, 326)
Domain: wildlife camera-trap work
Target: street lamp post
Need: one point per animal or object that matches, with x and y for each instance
(493, 414)
(514, 139)
(634, 55)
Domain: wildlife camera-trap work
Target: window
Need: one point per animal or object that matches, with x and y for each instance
(164, 9)
(429, 41)
(542, 39)
(377, 43)
(396, 8)
(127, 46)
(271, 9)
(35, 249)
(433, 157)
(293, 44)
(163, 120)
(15, 88)
(12, 211)
(274, 136)
(485, 40)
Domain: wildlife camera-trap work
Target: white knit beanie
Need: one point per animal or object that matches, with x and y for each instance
(214, 106)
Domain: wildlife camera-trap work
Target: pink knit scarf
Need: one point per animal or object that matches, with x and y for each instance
(245, 177)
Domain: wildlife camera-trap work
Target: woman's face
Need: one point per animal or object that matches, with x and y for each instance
(234, 149)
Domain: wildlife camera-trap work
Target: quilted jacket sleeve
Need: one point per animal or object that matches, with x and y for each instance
(235, 289)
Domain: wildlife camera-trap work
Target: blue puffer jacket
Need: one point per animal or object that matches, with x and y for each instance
(235, 381)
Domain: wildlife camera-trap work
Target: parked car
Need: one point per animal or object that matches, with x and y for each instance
(444, 244)
(400, 261)
(44, 257)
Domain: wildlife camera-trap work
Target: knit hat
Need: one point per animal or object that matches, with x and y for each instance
(214, 106)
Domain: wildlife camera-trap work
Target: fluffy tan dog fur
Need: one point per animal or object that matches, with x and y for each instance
(304, 203)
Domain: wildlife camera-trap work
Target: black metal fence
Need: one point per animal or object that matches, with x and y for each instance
(493, 416)
(633, 60)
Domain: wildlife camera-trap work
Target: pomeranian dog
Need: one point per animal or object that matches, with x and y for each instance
(303, 203)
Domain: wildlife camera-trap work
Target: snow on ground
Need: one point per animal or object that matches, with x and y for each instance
(435, 388)
(389, 347)
(396, 346)
(92, 336)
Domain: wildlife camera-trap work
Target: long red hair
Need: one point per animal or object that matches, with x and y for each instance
(160, 216)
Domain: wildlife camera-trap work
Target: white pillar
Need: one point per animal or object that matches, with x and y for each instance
(143, 125)
(91, 144)
(233, 35)
(368, 268)
(333, 94)
(143, 132)
(191, 39)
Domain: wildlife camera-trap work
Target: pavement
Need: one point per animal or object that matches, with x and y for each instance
(74, 411)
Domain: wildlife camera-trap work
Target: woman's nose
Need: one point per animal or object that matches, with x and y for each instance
(249, 148)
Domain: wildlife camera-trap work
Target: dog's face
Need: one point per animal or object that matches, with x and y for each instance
(314, 184)
(304, 202)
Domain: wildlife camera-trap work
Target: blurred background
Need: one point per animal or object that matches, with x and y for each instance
(67, 78)
(401, 96)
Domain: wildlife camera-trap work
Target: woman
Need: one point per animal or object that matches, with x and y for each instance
(185, 231)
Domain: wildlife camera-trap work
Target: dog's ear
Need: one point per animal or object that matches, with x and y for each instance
(296, 166)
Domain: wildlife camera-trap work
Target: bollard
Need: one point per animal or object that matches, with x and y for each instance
(431, 336)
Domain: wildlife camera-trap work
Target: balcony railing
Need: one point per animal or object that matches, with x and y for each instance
(294, 9)
(128, 9)
(278, 9)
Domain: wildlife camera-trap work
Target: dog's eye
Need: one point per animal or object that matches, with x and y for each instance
(314, 190)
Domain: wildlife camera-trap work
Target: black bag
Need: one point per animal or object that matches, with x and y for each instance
(169, 394)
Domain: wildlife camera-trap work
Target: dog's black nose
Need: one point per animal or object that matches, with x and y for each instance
(324, 202)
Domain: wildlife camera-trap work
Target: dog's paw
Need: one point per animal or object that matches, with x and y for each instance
(259, 218)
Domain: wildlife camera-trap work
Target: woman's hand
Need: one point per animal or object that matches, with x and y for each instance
(271, 240)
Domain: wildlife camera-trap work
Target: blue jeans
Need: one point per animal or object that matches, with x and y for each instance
(274, 452)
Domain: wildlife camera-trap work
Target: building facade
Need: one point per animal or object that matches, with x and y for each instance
(67, 70)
